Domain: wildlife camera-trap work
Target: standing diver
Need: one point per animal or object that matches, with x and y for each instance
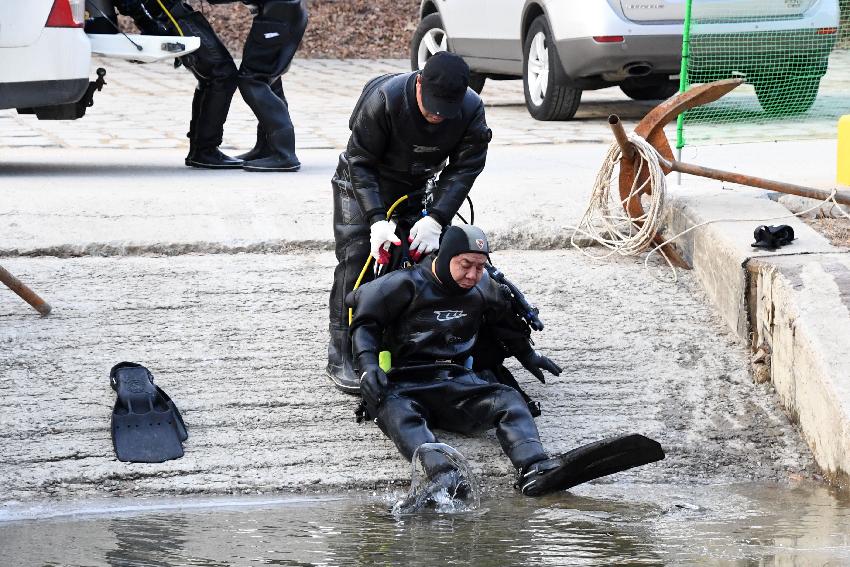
(428, 318)
(212, 66)
(405, 129)
(271, 44)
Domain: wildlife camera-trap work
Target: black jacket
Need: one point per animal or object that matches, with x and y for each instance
(393, 150)
(410, 314)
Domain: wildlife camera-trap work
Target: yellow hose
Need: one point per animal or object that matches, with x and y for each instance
(369, 259)
(170, 17)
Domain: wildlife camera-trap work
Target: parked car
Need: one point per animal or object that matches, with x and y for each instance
(561, 48)
(45, 55)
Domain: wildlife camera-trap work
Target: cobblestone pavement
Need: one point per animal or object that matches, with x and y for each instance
(148, 106)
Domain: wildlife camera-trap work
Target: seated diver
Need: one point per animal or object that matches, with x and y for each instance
(428, 318)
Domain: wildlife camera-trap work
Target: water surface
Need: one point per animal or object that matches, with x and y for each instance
(599, 524)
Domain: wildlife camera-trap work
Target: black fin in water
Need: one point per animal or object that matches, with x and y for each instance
(146, 425)
(588, 462)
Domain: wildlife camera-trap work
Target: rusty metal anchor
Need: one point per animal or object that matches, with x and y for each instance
(651, 128)
(24, 292)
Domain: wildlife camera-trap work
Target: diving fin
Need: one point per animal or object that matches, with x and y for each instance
(181, 425)
(588, 462)
(146, 425)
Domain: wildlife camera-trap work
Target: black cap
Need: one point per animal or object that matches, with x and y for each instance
(444, 82)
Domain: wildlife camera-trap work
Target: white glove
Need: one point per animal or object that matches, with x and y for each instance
(381, 237)
(424, 236)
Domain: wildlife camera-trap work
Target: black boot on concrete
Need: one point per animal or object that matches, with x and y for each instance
(209, 111)
(282, 158)
(260, 150)
(212, 158)
(340, 368)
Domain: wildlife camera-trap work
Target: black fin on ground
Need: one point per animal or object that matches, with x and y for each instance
(589, 462)
(181, 426)
(146, 425)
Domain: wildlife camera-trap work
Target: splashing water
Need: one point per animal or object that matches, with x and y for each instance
(440, 482)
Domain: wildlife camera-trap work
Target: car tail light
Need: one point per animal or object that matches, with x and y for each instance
(608, 39)
(66, 14)
(826, 31)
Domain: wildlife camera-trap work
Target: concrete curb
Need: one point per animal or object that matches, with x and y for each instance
(792, 307)
(519, 236)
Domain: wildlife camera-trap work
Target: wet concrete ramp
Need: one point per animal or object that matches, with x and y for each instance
(239, 341)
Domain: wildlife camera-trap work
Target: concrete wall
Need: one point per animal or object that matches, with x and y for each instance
(793, 304)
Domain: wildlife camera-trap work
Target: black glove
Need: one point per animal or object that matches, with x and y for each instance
(536, 363)
(373, 383)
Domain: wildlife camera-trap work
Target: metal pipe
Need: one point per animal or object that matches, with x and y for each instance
(841, 197)
(24, 292)
(621, 136)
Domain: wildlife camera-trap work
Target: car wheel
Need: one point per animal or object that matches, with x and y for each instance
(428, 39)
(787, 96)
(657, 91)
(546, 95)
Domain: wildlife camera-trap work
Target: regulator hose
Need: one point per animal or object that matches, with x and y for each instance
(170, 17)
(368, 263)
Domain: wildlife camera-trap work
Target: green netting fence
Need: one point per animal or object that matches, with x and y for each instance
(794, 56)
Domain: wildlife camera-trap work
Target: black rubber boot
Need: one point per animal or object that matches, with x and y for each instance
(340, 367)
(211, 158)
(445, 484)
(209, 111)
(197, 99)
(260, 150)
(282, 158)
(443, 473)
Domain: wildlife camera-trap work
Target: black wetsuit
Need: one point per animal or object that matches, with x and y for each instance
(393, 151)
(211, 64)
(275, 35)
(430, 332)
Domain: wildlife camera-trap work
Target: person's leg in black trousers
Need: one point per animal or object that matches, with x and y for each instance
(271, 44)
(215, 71)
(351, 234)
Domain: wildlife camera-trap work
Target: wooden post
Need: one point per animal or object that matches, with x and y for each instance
(24, 292)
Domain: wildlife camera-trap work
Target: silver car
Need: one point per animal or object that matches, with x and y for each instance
(560, 48)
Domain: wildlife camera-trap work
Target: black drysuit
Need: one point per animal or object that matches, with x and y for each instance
(211, 64)
(430, 333)
(275, 35)
(393, 151)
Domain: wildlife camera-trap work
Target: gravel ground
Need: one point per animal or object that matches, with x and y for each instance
(836, 230)
(238, 341)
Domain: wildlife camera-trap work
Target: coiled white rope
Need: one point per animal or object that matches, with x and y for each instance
(607, 223)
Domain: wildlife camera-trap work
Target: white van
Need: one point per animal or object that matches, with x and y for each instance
(561, 47)
(45, 56)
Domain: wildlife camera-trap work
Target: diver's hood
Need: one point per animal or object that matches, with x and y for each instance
(462, 239)
(457, 240)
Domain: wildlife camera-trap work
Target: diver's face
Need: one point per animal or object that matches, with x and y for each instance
(430, 117)
(467, 269)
